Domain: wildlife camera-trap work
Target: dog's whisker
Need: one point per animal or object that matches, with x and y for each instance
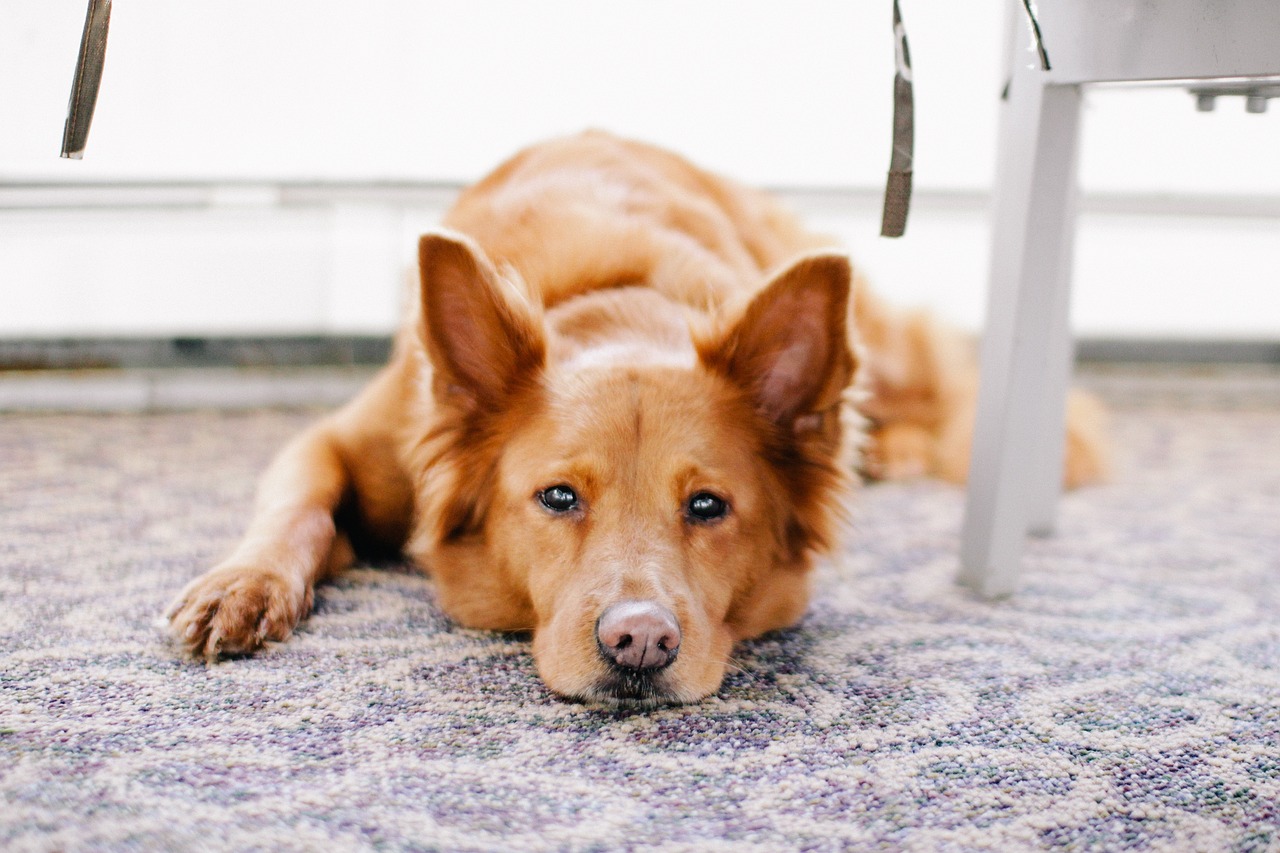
(735, 665)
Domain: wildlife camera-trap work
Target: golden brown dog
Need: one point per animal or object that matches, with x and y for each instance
(619, 416)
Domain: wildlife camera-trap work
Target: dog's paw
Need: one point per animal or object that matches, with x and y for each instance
(234, 609)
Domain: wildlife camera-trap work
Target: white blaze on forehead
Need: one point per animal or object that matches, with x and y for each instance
(627, 609)
(630, 354)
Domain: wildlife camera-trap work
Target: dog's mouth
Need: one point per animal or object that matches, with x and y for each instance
(634, 688)
(629, 684)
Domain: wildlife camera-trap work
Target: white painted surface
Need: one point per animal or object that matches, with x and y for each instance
(785, 95)
(1134, 275)
(1107, 40)
(1015, 475)
(249, 94)
(215, 271)
(240, 270)
(1017, 456)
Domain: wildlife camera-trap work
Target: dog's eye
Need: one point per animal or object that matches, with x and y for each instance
(705, 506)
(559, 498)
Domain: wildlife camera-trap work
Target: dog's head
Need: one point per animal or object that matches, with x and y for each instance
(637, 493)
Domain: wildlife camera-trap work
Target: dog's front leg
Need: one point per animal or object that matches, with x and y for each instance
(265, 587)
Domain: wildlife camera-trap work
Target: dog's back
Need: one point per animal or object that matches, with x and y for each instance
(594, 211)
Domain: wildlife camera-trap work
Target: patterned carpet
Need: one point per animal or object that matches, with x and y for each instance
(1128, 698)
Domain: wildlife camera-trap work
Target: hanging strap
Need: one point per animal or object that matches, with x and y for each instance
(897, 190)
(84, 88)
(1035, 29)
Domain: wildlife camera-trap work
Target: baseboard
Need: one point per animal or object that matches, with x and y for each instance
(239, 351)
(365, 350)
(1177, 351)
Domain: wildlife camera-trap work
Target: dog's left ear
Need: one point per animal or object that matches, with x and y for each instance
(790, 348)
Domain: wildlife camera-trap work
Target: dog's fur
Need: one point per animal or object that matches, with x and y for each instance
(603, 316)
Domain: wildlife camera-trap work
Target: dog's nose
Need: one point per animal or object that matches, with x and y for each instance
(638, 635)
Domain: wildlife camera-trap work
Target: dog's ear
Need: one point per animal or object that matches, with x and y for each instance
(790, 348)
(481, 334)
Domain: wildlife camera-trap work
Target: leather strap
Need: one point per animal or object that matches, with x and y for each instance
(84, 88)
(1035, 28)
(897, 191)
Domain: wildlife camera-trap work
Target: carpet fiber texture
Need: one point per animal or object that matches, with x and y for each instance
(1127, 698)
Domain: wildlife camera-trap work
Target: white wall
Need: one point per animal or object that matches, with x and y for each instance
(222, 109)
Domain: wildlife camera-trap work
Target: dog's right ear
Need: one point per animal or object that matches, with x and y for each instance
(480, 333)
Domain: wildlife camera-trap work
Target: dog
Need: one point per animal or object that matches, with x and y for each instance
(623, 414)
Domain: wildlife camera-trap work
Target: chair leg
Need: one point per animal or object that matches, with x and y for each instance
(1049, 429)
(1026, 345)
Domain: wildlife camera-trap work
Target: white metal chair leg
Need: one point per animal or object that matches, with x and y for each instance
(1026, 345)
(1048, 434)
(1016, 469)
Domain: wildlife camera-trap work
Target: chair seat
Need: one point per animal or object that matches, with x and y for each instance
(1090, 41)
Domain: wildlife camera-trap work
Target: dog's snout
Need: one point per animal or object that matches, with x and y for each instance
(638, 635)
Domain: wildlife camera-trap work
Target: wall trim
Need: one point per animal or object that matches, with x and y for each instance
(248, 192)
(39, 354)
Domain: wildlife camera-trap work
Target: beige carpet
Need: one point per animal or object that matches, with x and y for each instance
(1128, 698)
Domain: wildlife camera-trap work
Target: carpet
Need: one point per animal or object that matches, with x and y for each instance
(1127, 698)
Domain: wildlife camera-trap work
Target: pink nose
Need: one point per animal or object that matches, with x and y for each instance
(638, 635)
